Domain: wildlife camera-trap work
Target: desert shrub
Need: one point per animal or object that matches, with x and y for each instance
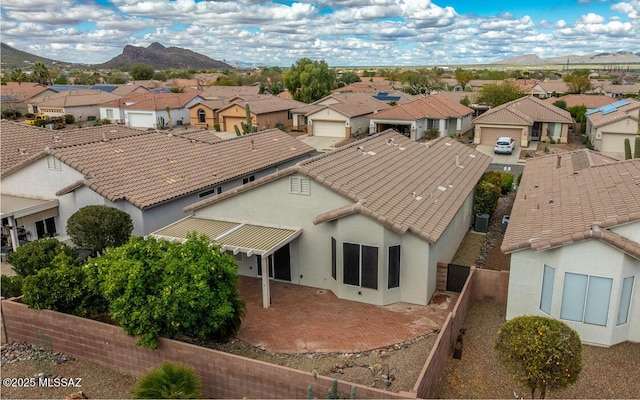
(431, 133)
(69, 119)
(63, 287)
(486, 198)
(216, 127)
(160, 288)
(33, 256)
(169, 381)
(541, 353)
(627, 149)
(11, 286)
(97, 227)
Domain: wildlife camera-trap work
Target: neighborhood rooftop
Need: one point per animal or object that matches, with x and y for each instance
(524, 111)
(573, 196)
(406, 185)
(156, 167)
(433, 106)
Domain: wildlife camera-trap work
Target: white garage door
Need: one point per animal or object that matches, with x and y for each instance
(141, 120)
(329, 129)
(614, 142)
(490, 135)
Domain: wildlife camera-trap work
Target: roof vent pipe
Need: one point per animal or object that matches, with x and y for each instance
(558, 159)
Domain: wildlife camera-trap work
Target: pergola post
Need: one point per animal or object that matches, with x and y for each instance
(13, 233)
(266, 290)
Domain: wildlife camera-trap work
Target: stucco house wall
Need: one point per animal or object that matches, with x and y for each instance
(588, 257)
(330, 115)
(622, 129)
(210, 116)
(115, 114)
(273, 119)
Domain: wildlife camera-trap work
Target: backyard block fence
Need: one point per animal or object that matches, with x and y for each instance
(225, 375)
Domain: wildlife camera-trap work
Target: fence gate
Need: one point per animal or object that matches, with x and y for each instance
(456, 277)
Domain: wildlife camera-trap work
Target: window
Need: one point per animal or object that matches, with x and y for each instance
(46, 228)
(586, 298)
(110, 114)
(248, 179)
(360, 265)
(394, 267)
(299, 185)
(215, 190)
(202, 116)
(433, 124)
(546, 295)
(333, 258)
(54, 164)
(625, 300)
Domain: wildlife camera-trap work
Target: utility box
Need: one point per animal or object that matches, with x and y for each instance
(482, 223)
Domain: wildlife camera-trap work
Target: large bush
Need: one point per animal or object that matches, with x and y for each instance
(541, 353)
(63, 287)
(486, 198)
(161, 288)
(170, 381)
(33, 256)
(11, 286)
(97, 227)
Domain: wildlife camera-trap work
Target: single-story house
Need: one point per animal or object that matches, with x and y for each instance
(338, 115)
(414, 119)
(588, 100)
(15, 96)
(525, 119)
(368, 221)
(205, 113)
(574, 240)
(617, 90)
(83, 104)
(151, 175)
(163, 110)
(550, 88)
(266, 112)
(608, 126)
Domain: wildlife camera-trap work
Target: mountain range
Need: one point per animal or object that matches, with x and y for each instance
(620, 57)
(156, 55)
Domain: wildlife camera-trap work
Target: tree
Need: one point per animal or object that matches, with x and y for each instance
(141, 72)
(161, 288)
(494, 95)
(97, 227)
(40, 74)
(116, 78)
(560, 104)
(308, 81)
(578, 81)
(464, 76)
(33, 256)
(18, 75)
(579, 113)
(347, 78)
(169, 381)
(422, 81)
(541, 353)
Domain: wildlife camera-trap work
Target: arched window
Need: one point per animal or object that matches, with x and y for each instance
(202, 116)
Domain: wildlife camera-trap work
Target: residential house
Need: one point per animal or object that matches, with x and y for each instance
(368, 221)
(630, 89)
(266, 112)
(127, 89)
(588, 100)
(525, 119)
(339, 115)
(435, 112)
(373, 86)
(228, 92)
(15, 96)
(608, 126)
(162, 110)
(151, 175)
(550, 88)
(574, 240)
(205, 113)
(83, 104)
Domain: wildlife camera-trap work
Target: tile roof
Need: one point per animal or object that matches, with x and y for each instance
(215, 104)
(158, 102)
(557, 86)
(439, 106)
(524, 111)
(633, 88)
(75, 98)
(366, 86)
(225, 92)
(123, 90)
(403, 184)
(572, 196)
(623, 112)
(352, 104)
(587, 100)
(201, 135)
(265, 105)
(21, 144)
(156, 167)
(21, 92)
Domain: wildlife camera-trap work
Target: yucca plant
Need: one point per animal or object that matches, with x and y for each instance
(169, 381)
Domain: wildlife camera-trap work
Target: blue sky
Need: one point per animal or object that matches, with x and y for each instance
(341, 32)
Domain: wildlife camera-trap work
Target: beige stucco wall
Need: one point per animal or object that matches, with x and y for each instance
(524, 132)
(271, 120)
(626, 127)
(590, 257)
(211, 116)
(327, 114)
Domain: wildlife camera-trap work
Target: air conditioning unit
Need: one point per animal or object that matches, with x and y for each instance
(482, 223)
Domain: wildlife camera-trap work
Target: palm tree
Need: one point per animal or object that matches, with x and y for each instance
(18, 75)
(41, 73)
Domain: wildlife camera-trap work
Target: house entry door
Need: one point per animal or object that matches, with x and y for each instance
(279, 264)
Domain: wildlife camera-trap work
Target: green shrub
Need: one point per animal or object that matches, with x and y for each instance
(11, 286)
(97, 227)
(627, 149)
(431, 133)
(33, 256)
(170, 381)
(216, 127)
(486, 198)
(541, 353)
(503, 180)
(636, 149)
(69, 119)
(160, 288)
(507, 183)
(63, 287)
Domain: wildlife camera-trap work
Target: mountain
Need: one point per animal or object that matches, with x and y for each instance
(620, 57)
(162, 58)
(14, 58)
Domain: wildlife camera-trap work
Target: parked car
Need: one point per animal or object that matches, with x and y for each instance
(505, 145)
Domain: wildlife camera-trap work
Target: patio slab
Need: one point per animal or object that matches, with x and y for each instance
(303, 319)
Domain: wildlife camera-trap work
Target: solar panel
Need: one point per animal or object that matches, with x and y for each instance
(609, 108)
